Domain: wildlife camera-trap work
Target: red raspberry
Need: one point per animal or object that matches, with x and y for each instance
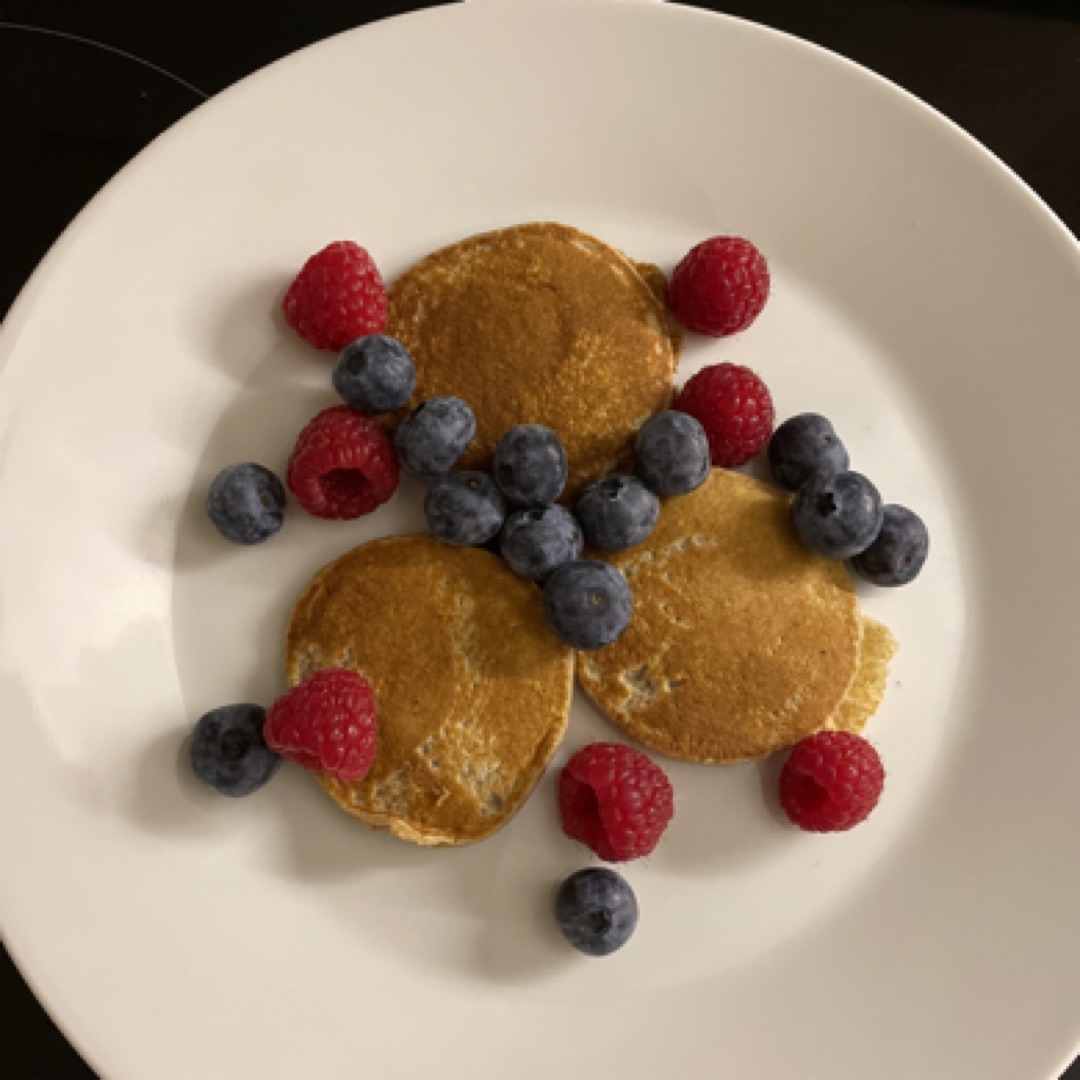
(327, 723)
(831, 782)
(615, 800)
(337, 297)
(343, 465)
(720, 286)
(734, 407)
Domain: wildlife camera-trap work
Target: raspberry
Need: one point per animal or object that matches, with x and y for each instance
(734, 407)
(614, 800)
(342, 466)
(327, 723)
(831, 782)
(337, 297)
(720, 286)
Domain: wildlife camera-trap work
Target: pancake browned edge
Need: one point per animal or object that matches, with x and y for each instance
(472, 688)
(540, 324)
(657, 280)
(742, 641)
(867, 690)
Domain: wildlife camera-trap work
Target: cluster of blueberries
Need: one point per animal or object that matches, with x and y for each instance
(513, 509)
(838, 512)
(586, 601)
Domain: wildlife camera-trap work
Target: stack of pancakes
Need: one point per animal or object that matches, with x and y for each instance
(742, 641)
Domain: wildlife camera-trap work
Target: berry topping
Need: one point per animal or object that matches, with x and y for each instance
(530, 466)
(337, 297)
(375, 374)
(587, 603)
(534, 543)
(434, 435)
(720, 287)
(246, 503)
(343, 466)
(327, 724)
(734, 407)
(617, 512)
(596, 910)
(464, 508)
(838, 515)
(898, 553)
(831, 782)
(803, 447)
(671, 454)
(615, 800)
(228, 750)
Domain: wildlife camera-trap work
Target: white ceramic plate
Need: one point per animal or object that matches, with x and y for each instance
(923, 298)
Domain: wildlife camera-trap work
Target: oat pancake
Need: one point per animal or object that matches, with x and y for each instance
(867, 689)
(742, 641)
(473, 690)
(657, 280)
(540, 324)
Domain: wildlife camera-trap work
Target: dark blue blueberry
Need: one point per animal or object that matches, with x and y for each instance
(587, 603)
(432, 438)
(246, 503)
(536, 542)
(802, 447)
(596, 910)
(898, 553)
(671, 454)
(375, 374)
(617, 512)
(464, 508)
(228, 750)
(530, 466)
(838, 515)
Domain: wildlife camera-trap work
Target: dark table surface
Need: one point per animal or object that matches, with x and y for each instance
(85, 84)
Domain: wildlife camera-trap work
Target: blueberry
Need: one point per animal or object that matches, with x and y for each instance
(375, 374)
(587, 603)
(536, 542)
(898, 553)
(596, 910)
(464, 508)
(671, 454)
(838, 515)
(228, 750)
(617, 512)
(246, 503)
(802, 447)
(530, 466)
(432, 438)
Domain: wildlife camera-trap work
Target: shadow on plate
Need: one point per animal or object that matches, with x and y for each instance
(166, 797)
(495, 897)
(769, 776)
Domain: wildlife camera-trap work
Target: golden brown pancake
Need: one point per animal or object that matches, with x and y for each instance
(472, 688)
(540, 324)
(742, 641)
(867, 689)
(657, 280)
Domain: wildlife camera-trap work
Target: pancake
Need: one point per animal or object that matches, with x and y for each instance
(472, 688)
(657, 281)
(742, 641)
(540, 324)
(867, 689)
